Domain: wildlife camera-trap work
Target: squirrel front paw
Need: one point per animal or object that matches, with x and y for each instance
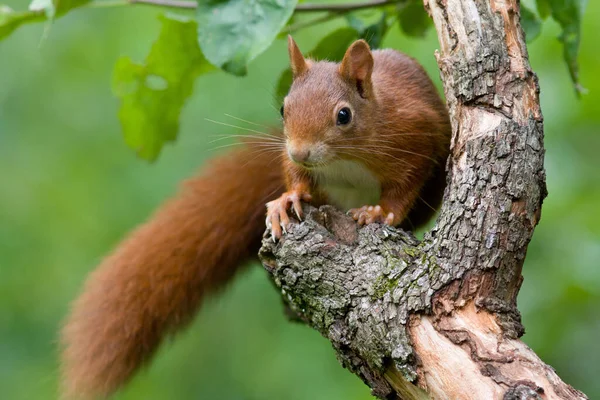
(370, 214)
(277, 217)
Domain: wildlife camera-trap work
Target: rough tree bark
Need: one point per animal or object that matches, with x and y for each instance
(438, 318)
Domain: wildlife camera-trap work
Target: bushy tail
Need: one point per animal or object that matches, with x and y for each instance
(154, 282)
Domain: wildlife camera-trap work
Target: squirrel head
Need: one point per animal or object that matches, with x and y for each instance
(329, 107)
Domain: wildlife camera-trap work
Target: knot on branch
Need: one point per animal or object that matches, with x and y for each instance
(357, 286)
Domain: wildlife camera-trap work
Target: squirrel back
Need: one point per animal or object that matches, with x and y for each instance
(424, 116)
(155, 280)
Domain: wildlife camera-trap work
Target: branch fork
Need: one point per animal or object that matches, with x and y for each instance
(406, 326)
(438, 318)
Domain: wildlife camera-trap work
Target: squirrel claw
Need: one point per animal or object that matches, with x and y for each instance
(298, 213)
(370, 214)
(277, 217)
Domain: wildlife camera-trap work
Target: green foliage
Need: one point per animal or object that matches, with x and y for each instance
(152, 95)
(543, 7)
(71, 190)
(39, 10)
(375, 33)
(63, 6)
(372, 33)
(569, 14)
(53, 8)
(11, 20)
(531, 23)
(47, 6)
(414, 21)
(333, 46)
(232, 33)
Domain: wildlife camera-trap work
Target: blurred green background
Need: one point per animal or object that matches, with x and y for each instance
(70, 189)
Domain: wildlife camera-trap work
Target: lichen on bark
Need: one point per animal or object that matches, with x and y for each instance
(358, 286)
(355, 285)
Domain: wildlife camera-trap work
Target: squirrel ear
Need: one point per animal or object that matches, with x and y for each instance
(357, 67)
(297, 61)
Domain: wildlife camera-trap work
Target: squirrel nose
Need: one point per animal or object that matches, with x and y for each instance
(299, 155)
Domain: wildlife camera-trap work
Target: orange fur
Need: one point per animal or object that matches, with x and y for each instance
(155, 280)
(400, 132)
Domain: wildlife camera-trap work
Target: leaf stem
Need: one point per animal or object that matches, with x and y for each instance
(306, 24)
(343, 7)
(167, 3)
(301, 8)
(107, 3)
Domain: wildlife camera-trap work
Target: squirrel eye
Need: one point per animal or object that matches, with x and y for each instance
(344, 116)
(281, 111)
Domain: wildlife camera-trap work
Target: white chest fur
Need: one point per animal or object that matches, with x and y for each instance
(348, 184)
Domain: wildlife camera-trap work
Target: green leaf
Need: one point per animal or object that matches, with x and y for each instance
(569, 13)
(356, 23)
(153, 94)
(284, 84)
(11, 20)
(373, 33)
(62, 6)
(232, 33)
(332, 47)
(531, 24)
(39, 10)
(47, 6)
(413, 18)
(543, 8)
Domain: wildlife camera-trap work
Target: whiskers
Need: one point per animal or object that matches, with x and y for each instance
(261, 133)
(317, 165)
(260, 143)
(352, 152)
(387, 146)
(246, 121)
(366, 153)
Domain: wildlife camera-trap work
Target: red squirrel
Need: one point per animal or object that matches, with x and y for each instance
(369, 135)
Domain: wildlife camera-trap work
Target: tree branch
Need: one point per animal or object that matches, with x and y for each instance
(404, 323)
(304, 7)
(345, 7)
(438, 318)
(189, 5)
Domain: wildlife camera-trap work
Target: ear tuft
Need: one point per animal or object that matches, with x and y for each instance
(298, 63)
(357, 67)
